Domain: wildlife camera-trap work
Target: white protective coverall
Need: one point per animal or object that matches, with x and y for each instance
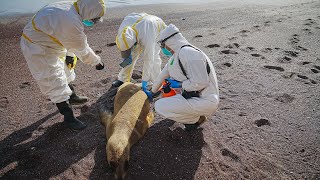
(187, 111)
(143, 29)
(55, 30)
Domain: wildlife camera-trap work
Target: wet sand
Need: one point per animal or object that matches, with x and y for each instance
(267, 60)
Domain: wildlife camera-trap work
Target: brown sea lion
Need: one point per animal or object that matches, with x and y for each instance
(129, 122)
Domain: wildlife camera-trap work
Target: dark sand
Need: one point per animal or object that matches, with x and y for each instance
(267, 60)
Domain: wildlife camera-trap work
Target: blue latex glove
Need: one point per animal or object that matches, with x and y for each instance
(144, 86)
(175, 83)
(145, 89)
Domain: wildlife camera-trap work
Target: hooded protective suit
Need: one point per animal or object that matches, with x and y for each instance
(55, 30)
(143, 30)
(187, 111)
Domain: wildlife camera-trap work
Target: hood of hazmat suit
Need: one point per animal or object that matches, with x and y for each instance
(142, 30)
(54, 31)
(58, 27)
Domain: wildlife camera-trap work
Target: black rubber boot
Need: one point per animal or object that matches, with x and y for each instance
(69, 119)
(75, 99)
(191, 127)
(117, 83)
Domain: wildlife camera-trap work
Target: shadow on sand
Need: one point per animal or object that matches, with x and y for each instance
(58, 151)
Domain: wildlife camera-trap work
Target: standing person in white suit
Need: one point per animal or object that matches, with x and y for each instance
(50, 43)
(137, 38)
(191, 70)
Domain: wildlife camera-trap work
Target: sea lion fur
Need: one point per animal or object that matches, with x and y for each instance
(129, 122)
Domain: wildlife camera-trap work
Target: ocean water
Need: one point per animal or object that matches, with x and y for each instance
(14, 7)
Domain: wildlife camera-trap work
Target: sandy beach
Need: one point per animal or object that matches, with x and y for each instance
(267, 59)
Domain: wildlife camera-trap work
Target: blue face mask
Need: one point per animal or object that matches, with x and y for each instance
(88, 23)
(166, 52)
(126, 61)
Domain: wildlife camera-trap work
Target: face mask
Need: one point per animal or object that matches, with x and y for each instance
(126, 61)
(166, 52)
(88, 23)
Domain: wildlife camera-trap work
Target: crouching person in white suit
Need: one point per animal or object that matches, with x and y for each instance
(49, 42)
(191, 70)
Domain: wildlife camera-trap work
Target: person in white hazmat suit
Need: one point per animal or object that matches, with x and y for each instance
(191, 70)
(137, 36)
(51, 43)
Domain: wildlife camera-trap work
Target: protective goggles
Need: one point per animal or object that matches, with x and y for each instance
(162, 42)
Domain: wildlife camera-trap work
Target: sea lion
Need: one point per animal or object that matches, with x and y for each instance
(128, 123)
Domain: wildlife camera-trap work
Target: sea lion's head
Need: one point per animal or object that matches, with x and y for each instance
(118, 152)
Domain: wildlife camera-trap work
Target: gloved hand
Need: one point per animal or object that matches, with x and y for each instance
(126, 61)
(100, 66)
(145, 89)
(71, 61)
(174, 83)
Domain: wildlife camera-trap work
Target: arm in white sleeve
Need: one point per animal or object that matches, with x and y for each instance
(162, 76)
(194, 62)
(72, 37)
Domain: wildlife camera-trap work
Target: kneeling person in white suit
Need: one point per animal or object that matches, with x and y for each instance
(191, 70)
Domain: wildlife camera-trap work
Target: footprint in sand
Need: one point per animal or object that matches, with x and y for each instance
(198, 36)
(227, 64)
(258, 55)
(313, 81)
(305, 63)
(267, 23)
(291, 53)
(228, 52)
(317, 67)
(4, 102)
(315, 71)
(213, 45)
(24, 85)
(302, 76)
(248, 49)
(300, 48)
(285, 98)
(227, 152)
(244, 33)
(262, 122)
(234, 45)
(294, 39)
(98, 51)
(111, 44)
(306, 78)
(284, 59)
(266, 50)
(256, 28)
(307, 30)
(232, 38)
(274, 67)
